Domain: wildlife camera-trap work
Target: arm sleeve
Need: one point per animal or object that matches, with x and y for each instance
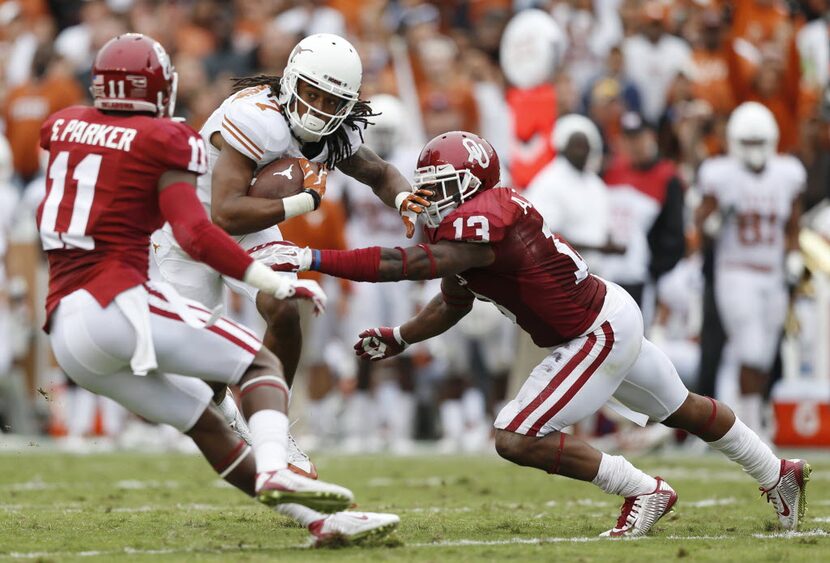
(200, 238)
(666, 239)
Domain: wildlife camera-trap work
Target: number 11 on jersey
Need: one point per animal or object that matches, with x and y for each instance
(86, 175)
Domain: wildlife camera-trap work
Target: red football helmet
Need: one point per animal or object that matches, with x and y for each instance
(133, 73)
(456, 166)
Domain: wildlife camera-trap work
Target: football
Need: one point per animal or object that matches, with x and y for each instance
(278, 179)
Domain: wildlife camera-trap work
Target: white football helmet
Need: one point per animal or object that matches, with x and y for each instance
(752, 134)
(387, 132)
(331, 64)
(572, 123)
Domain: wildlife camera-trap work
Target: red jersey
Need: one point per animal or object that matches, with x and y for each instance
(101, 202)
(537, 279)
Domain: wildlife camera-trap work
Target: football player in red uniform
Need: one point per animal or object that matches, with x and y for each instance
(116, 172)
(488, 242)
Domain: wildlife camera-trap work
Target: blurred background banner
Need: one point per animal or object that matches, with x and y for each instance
(604, 113)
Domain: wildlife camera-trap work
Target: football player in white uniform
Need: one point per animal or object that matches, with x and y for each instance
(751, 210)
(312, 112)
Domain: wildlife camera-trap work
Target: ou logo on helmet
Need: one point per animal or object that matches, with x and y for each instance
(476, 152)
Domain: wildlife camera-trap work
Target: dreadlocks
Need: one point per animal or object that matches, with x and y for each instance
(338, 145)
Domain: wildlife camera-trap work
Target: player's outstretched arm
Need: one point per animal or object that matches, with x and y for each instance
(388, 184)
(376, 264)
(367, 167)
(440, 314)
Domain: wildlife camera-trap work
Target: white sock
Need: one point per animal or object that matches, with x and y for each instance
(300, 513)
(749, 410)
(745, 447)
(617, 476)
(269, 436)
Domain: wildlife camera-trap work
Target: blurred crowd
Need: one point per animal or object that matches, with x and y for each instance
(649, 83)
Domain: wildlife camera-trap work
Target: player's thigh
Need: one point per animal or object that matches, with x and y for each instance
(220, 352)
(157, 397)
(190, 278)
(652, 385)
(575, 379)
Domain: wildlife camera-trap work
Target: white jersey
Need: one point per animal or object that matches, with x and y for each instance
(632, 214)
(755, 207)
(251, 121)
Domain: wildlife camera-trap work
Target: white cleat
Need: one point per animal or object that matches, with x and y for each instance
(640, 513)
(284, 486)
(789, 495)
(352, 527)
(298, 460)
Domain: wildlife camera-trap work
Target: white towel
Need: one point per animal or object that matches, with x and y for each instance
(637, 418)
(134, 303)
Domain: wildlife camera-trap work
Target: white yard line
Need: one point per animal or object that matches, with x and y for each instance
(445, 543)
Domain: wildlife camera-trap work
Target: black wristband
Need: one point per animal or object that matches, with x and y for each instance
(315, 196)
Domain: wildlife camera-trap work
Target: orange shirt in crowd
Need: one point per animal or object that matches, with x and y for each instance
(26, 107)
(324, 228)
(760, 29)
(711, 80)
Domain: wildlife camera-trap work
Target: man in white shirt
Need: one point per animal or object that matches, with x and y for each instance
(652, 60)
(568, 193)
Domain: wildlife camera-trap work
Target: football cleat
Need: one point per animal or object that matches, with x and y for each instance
(789, 495)
(352, 527)
(298, 460)
(287, 487)
(640, 513)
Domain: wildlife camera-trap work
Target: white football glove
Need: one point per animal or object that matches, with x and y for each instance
(284, 257)
(283, 287)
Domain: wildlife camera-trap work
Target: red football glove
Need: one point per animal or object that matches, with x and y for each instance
(413, 205)
(380, 343)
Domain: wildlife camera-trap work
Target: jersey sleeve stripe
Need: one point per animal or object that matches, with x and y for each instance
(237, 133)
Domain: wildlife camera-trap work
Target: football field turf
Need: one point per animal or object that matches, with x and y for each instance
(171, 507)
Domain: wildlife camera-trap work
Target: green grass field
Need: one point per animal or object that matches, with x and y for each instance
(59, 507)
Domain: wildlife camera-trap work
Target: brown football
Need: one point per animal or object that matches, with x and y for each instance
(278, 179)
